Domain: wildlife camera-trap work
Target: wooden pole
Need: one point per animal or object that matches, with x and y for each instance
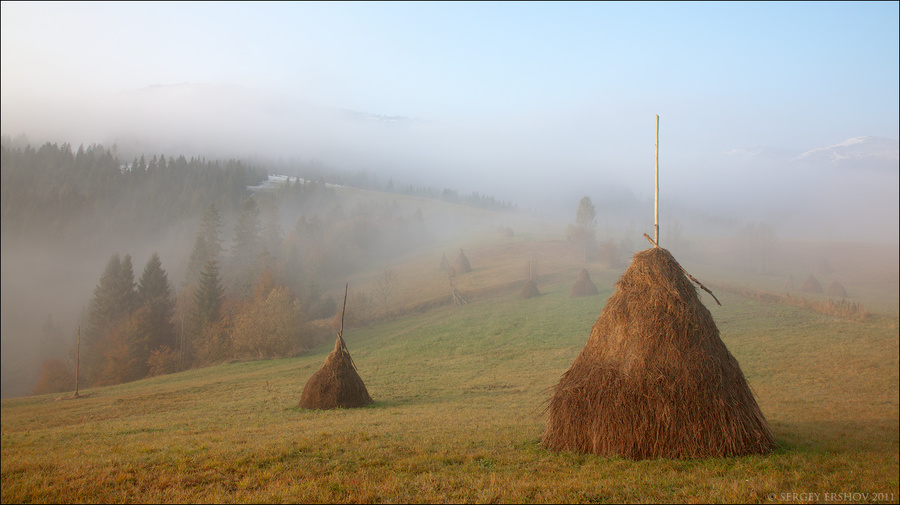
(77, 359)
(341, 332)
(656, 196)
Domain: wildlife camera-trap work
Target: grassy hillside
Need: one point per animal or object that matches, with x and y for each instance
(459, 393)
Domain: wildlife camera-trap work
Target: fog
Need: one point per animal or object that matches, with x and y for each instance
(543, 162)
(778, 114)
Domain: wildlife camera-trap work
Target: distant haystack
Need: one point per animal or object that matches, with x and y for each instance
(655, 379)
(836, 289)
(461, 263)
(445, 265)
(336, 384)
(789, 284)
(583, 286)
(811, 285)
(529, 290)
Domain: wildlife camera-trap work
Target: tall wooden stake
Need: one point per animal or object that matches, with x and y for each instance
(77, 359)
(656, 197)
(341, 332)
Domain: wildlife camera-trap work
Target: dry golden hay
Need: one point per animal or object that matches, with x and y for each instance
(529, 290)
(461, 263)
(654, 380)
(811, 285)
(836, 289)
(336, 384)
(583, 286)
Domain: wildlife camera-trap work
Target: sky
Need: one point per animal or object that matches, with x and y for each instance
(531, 91)
(439, 60)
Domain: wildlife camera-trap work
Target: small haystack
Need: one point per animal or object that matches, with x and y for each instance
(811, 285)
(445, 265)
(336, 384)
(655, 380)
(583, 285)
(836, 289)
(529, 290)
(461, 263)
(789, 284)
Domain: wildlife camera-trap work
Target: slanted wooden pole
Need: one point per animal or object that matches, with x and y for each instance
(341, 332)
(656, 196)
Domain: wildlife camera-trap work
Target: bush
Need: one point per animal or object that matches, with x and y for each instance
(274, 327)
(55, 377)
(162, 361)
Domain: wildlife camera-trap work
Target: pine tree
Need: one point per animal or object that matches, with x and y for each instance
(127, 293)
(245, 248)
(207, 244)
(206, 307)
(155, 293)
(114, 299)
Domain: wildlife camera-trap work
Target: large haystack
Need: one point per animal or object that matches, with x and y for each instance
(336, 384)
(583, 286)
(811, 285)
(461, 263)
(836, 289)
(654, 379)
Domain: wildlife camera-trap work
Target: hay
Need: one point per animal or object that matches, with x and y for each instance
(529, 290)
(654, 379)
(445, 265)
(836, 289)
(336, 384)
(583, 285)
(461, 263)
(811, 285)
(789, 284)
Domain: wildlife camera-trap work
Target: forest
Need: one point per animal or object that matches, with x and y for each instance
(251, 269)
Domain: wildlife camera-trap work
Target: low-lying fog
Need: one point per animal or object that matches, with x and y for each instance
(845, 191)
(842, 191)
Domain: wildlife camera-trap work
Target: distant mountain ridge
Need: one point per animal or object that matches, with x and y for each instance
(857, 150)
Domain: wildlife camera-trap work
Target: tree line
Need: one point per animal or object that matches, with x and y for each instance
(64, 193)
(251, 285)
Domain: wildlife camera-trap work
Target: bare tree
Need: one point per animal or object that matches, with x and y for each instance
(385, 286)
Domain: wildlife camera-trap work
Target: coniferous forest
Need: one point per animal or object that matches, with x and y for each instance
(230, 273)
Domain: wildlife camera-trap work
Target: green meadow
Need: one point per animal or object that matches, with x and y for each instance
(459, 395)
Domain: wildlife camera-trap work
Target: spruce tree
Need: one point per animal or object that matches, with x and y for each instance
(155, 293)
(206, 244)
(207, 305)
(126, 288)
(114, 299)
(245, 249)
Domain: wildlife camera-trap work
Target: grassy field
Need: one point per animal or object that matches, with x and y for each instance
(459, 393)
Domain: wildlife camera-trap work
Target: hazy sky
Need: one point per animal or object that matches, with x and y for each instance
(820, 71)
(553, 90)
